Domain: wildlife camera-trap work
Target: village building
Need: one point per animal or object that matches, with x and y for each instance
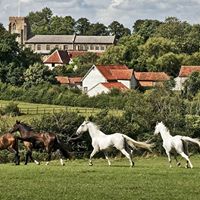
(57, 58)
(70, 82)
(150, 79)
(101, 79)
(184, 73)
(44, 44)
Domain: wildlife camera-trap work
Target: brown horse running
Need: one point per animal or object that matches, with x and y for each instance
(34, 140)
(10, 142)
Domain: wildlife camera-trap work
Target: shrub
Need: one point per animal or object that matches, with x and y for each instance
(11, 109)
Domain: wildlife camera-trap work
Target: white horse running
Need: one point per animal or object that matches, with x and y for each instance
(175, 144)
(103, 142)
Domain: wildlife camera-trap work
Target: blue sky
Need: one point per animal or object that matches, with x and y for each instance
(106, 11)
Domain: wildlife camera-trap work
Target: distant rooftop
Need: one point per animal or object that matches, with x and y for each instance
(62, 39)
(185, 71)
(51, 39)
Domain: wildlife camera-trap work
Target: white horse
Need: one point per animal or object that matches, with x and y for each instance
(103, 142)
(175, 144)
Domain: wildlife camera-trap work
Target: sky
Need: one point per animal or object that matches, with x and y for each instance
(106, 11)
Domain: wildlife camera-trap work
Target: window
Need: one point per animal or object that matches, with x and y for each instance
(81, 47)
(97, 48)
(91, 47)
(65, 47)
(85, 89)
(39, 47)
(57, 46)
(47, 47)
(102, 48)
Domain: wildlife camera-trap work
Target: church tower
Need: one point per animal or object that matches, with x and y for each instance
(19, 25)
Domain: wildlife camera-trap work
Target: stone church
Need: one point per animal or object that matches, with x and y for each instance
(43, 44)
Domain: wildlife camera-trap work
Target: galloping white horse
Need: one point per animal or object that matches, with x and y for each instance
(175, 144)
(102, 142)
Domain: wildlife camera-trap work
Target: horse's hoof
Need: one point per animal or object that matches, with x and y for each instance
(90, 164)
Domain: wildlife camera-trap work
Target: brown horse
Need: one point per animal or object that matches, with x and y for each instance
(10, 142)
(34, 140)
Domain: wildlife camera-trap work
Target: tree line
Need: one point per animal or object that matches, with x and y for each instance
(44, 22)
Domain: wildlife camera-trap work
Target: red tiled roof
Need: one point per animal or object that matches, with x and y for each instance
(115, 72)
(151, 76)
(117, 85)
(58, 57)
(185, 71)
(68, 80)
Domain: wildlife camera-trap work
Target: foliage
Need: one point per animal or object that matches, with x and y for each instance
(146, 28)
(117, 29)
(38, 74)
(11, 109)
(192, 85)
(64, 125)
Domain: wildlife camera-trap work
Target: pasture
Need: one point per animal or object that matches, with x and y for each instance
(151, 178)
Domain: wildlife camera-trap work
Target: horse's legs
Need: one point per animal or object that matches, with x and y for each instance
(187, 158)
(128, 156)
(130, 152)
(91, 155)
(61, 155)
(177, 162)
(169, 158)
(48, 158)
(106, 156)
(17, 158)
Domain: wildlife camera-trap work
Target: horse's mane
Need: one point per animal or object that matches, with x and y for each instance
(166, 129)
(95, 125)
(26, 126)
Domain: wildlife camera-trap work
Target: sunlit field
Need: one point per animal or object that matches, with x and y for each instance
(150, 179)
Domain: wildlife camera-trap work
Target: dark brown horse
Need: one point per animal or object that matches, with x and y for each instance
(34, 140)
(10, 142)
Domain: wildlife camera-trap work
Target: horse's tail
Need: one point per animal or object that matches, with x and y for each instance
(133, 143)
(192, 140)
(63, 148)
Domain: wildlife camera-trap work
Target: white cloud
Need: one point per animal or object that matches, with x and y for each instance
(106, 11)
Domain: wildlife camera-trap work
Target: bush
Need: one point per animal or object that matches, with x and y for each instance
(11, 109)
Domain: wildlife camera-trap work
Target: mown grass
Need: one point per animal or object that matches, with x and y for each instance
(40, 109)
(149, 179)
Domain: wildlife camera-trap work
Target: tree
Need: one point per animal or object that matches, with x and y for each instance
(146, 28)
(40, 21)
(113, 55)
(176, 31)
(117, 29)
(193, 59)
(84, 63)
(154, 48)
(62, 26)
(97, 29)
(169, 63)
(38, 74)
(192, 84)
(82, 26)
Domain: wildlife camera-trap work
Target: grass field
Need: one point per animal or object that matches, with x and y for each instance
(39, 109)
(150, 179)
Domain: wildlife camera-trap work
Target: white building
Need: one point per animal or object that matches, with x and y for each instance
(184, 73)
(101, 79)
